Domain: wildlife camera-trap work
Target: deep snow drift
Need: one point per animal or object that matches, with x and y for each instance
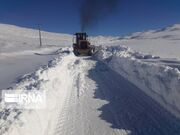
(160, 82)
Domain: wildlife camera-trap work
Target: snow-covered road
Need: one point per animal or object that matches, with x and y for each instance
(86, 97)
(95, 100)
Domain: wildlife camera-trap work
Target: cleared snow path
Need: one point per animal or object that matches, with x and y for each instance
(90, 99)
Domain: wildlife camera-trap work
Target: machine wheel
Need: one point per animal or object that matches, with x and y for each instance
(90, 53)
(76, 53)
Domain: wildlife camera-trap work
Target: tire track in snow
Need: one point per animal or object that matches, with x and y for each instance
(80, 115)
(66, 120)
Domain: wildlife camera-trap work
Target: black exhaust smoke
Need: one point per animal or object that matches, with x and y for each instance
(92, 11)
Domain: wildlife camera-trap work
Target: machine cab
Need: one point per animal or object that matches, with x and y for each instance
(81, 45)
(80, 40)
(81, 36)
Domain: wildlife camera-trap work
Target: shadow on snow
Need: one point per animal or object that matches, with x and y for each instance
(128, 107)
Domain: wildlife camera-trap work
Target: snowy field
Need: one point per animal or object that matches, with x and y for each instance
(117, 91)
(19, 48)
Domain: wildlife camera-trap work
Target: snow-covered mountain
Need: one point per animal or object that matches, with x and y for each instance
(171, 33)
(163, 42)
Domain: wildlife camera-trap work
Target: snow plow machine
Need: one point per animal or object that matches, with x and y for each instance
(81, 45)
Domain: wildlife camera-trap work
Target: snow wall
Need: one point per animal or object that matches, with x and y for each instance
(162, 83)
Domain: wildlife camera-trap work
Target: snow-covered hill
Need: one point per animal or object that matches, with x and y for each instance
(163, 42)
(16, 39)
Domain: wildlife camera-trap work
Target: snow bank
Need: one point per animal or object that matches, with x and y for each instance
(11, 119)
(162, 83)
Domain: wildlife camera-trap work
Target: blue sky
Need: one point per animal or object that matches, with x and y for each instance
(63, 15)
